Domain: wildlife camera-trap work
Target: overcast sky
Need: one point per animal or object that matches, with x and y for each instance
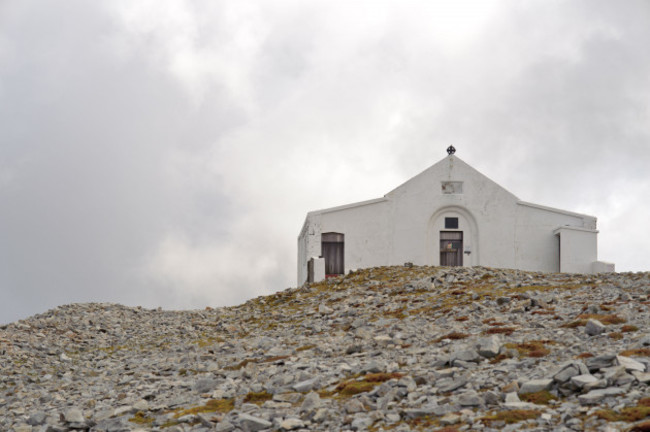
(165, 153)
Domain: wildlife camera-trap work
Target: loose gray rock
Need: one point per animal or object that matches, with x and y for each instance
(306, 385)
(581, 381)
(595, 396)
(252, 423)
(291, 424)
(594, 327)
(368, 340)
(73, 415)
(535, 386)
(310, 403)
(630, 364)
(489, 347)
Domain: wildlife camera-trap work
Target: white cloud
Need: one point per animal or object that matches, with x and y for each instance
(165, 153)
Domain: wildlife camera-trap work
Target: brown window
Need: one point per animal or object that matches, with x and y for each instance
(332, 246)
(451, 248)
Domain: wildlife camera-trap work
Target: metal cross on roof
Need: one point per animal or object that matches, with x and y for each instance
(451, 150)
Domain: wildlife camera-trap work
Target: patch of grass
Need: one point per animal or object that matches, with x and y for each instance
(213, 405)
(533, 348)
(381, 377)
(351, 388)
(399, 314)
(141, 418)
(605, 319)
(616, 335)
(208, 341)
(365, 384)
(584, 355)
(258, 397)
(541, 397)
(453, 336)
(512, 416)
(498, 358)
(500, 330)
(274, 359)
(574, 324)
(462, 318)
(627, 414)
(637, 352)
(305, 348)
(241, 364)
(629, 328)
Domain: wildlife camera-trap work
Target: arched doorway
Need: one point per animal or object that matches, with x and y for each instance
(452, 238)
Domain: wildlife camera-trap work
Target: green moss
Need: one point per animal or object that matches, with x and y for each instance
(363, 384)
(141, 418)
(352, 388)
(628, 414)
(512, 416)
(208, 341)
(213, 405)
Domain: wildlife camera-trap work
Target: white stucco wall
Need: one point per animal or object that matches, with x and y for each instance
(578, 251)
(498, 229)
(536, 245)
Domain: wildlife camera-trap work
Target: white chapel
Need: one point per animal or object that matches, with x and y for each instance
(448, 215)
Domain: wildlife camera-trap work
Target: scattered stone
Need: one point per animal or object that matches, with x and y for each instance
(324, 309)
(581, 381)
(252, 423)
(449, 419)
(310, 403)
(535, 386)
(73, 415)
(630, 364)
(291, 424)
(306, 385)
(489, 347)
(354, 352)
(594, 327)
(595, 396)
(361, 423)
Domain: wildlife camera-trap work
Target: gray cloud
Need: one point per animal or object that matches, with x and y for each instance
(165, 154)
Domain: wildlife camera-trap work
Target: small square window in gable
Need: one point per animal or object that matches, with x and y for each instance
(451, 223)
(452, 187)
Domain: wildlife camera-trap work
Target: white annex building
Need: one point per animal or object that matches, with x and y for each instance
(450, 215)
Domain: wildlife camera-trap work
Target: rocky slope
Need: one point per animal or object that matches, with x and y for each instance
(392, 348)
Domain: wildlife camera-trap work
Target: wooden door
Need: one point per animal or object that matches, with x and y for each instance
(451, 248)
(333, 249)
